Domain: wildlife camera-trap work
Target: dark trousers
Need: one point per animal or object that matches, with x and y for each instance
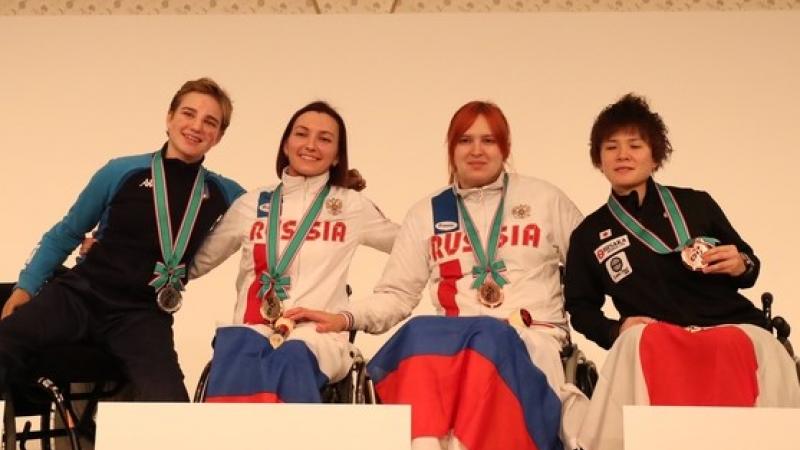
(68, 310)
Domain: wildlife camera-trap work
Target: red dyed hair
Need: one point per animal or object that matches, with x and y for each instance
(466, 116)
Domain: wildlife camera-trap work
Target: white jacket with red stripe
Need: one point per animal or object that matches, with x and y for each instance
(319, 270)
(537, 222)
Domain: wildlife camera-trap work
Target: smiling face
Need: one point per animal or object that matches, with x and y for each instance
(193, 127)
(477, 157)
(312, 145)
(627, 161)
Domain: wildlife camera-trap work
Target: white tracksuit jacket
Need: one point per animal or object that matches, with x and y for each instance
(319, 270)
(537, 222)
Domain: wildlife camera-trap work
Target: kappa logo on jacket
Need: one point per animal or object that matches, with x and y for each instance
(147, 183)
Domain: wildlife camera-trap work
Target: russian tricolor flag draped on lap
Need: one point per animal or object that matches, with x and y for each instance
(471, 375)
(246, 369)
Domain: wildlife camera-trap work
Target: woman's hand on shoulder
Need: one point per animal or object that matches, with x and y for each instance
(326, 322)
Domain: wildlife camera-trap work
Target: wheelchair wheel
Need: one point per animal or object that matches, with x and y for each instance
(586, 377)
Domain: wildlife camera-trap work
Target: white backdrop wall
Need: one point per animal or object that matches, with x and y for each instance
(77, 91)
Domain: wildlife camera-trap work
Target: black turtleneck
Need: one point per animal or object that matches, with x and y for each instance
(658, 286)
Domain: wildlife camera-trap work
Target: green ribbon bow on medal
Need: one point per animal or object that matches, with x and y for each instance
(170, 271)
(280, 286)
(487, 264)
(166, 276)
(273, 278)
(480, 273)
(647, 237)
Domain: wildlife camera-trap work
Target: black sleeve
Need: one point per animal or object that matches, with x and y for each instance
(584, 295)
(724, 231)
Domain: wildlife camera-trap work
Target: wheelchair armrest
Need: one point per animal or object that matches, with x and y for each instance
(781, 327)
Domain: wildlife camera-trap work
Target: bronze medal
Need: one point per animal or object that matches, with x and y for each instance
(692, 255)
(169, 299)
(490, 295)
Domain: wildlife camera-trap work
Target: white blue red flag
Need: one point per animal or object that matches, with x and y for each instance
(245, 368)
(471, 376)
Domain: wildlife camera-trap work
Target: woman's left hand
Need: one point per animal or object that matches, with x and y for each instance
(724, 259)
(326, 322)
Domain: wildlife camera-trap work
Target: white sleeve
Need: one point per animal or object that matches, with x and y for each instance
(566, 218)
(224, 240)
(378, 231)
(400, 288)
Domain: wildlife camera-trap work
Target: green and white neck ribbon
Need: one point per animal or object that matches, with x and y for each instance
(647, 237)
(169, 271)
(273, 278)
(487, 264)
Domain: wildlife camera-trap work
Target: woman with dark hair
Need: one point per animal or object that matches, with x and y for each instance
(672, 265)
(489, 245)
(297, 241)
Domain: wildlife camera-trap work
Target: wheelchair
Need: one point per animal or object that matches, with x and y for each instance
(780, 327)
(47, 390)
(579, 370)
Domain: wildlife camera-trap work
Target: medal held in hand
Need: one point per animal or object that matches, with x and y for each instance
(169, 272)
(692, 254)
(274, 282)
(488, 280)
(691, 249)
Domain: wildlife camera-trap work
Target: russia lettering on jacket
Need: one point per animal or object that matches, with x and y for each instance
(328, 231)
(448, 244)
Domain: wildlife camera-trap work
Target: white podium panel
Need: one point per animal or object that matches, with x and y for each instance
(695, 427)
(241, 426)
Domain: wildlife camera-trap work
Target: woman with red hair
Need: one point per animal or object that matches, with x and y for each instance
(489, 246)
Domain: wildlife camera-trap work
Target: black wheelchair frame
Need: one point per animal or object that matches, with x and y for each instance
(47, 390)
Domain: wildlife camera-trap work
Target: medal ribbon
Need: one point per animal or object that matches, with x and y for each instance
(487, 265)
(647, 237)
(273, 278)
(170, 271)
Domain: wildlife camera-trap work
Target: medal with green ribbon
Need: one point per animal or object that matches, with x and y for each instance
(274, 282)
(691, 249)
(488, 280)
(169, 272)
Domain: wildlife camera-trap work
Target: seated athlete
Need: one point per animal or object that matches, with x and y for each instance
(297, 239)
(673, 266)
